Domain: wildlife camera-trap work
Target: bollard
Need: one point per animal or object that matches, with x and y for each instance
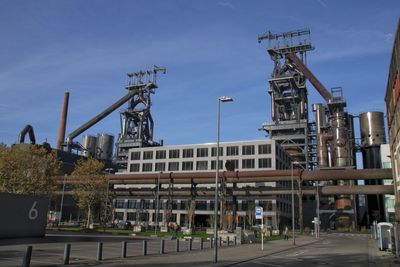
(162, 246)
(26, 261)
(235, 241)
(220, 241)
(99, 251)
(177, 245)
(123, 251)
(227, 240)
(211, 242)
(201, 243)
(67, 252)
(190, 241)
(144, 251)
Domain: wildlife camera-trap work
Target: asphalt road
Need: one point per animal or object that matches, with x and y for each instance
(335, 250)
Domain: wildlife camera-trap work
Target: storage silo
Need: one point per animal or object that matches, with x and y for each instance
(89, 143)
(105, 146)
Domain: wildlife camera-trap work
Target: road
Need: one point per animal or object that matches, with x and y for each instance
(333, 250)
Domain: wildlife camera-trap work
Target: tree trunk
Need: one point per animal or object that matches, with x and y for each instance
(88, 217)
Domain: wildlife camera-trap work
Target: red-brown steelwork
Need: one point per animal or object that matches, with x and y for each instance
(63, 121)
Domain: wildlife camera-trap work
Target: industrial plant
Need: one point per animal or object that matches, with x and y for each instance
(304, 171)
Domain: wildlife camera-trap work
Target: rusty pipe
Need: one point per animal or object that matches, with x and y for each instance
(63, 120)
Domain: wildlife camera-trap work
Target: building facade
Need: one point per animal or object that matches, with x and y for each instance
(198, 210)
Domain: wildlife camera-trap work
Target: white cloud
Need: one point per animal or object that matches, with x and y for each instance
(226, 4)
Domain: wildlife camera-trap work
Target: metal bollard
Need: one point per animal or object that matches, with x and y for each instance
(144, 250)
(67, 252)
(123, 251)
(177, 245)
(99, 251)
(201, 243)
(227, 240)
(235, 241)
(190, 241)
(162, 245)
(26, 261)
(220, 241)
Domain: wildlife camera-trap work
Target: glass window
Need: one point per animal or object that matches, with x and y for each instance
(135, 167)
(248, 150)
(213, 167)
(187, 166)
(135, 155)
(160, 166)
(119, 215)
(202, 152)
(232, 151)
(148, 155)
(214, 151)
(187, 153)
(264, 163)
(161, 154)
(131, 216)
(264, 149)
(147, 167)
(247, 163)
(201, 205)
(174, 153)
(132, 204)
(234, 164)
(201, 165)
(173, 166)
(119, 203)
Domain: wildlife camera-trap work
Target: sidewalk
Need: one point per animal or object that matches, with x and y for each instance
(227, 256)
(380, 258)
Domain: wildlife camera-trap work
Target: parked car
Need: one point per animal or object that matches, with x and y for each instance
(124, 225)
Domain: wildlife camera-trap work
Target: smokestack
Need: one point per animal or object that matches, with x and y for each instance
(63, 120)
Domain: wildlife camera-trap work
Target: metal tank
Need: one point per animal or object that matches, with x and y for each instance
(105, 145)
(89, 143)
(372, 129)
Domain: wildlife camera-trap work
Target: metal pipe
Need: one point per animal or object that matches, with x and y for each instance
(63, 120)
(293, 219)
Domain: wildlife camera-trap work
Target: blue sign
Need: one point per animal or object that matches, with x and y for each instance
(259, 212)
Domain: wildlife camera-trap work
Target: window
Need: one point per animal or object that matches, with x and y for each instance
(187, 166)
(161, 154)
(248, 150)
(234, 163)
(135, 155)
(232, 151)
(264, 163)
(187, 153)
(174, 154)
(202, 152)
(119, 215)
(214, 151)
(202, 165)
(148, 155)
(131, 204)
(201, 205)
(147, 167)
(160, 166)
(135, 167)
(213, 167)
(264, 149)
(247, 163)
(119, 204)
(173, 166)
(131, 216)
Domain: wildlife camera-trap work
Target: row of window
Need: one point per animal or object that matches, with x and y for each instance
(201, 152)
(199, 165)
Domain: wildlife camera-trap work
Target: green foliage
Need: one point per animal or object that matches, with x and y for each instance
(28, 169)
(91, 189)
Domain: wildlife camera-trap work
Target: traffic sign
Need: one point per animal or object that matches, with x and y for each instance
(259, 212)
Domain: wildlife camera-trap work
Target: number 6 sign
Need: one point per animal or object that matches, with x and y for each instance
(33, 212)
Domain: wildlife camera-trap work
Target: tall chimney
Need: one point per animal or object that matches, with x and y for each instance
(63, 120)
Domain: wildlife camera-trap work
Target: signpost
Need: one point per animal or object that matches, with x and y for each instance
(259, 215)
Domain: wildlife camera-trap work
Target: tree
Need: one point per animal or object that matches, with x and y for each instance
(91, 188)
(28, 169)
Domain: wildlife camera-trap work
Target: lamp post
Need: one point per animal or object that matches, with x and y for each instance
(109, 170)
(293, 218)
(157, 202)
(220, 99)
(318, 219)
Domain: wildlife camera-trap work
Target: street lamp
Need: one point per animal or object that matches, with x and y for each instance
(318, 219)
(62, 200)
(220, 99)
(157, 202)
(293, 218)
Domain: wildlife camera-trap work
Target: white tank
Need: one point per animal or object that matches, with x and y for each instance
(105, 147)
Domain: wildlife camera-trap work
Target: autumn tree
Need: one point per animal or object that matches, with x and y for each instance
(91, 189)
(28, 169)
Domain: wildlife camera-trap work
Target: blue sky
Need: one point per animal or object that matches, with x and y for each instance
(208, 47)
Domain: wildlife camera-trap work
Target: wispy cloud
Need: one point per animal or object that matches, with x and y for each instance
(226, 4)
(322, 3)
